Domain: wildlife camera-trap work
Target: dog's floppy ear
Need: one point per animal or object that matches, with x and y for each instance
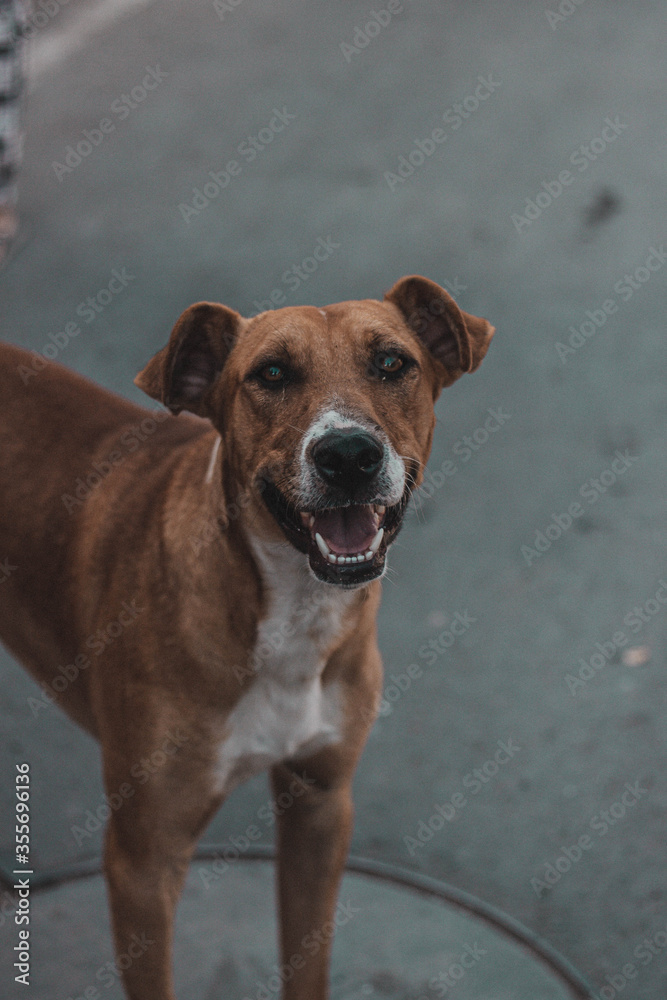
(456, 339)
(182, 373)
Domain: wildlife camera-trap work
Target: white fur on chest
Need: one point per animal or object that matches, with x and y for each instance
(287, 712)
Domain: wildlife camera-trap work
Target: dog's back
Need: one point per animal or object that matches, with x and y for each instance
(57, 431)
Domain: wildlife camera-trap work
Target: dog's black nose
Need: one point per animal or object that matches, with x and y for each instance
(347, 458)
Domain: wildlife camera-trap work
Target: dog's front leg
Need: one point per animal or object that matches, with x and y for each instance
(149, 844)
(314, 807)
(143, 891)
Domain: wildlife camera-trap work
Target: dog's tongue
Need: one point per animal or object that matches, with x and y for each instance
(347, 530)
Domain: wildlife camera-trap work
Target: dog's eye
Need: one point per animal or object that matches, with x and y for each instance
(388, 364)
(272, 374)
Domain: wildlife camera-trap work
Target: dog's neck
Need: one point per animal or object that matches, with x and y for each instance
(302, 613)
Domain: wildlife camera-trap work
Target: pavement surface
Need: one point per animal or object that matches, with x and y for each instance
(389, 944)
(543, 209)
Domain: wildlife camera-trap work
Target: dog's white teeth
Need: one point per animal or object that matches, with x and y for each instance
(380, 509)
(305, 516)
(348, 560)
(322, 545)
(311, 520)
(375, 544)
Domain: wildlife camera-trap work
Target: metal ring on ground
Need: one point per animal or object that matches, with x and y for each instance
(428, 886)
(424, 885)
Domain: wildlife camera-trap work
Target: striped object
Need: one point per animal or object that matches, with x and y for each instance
(13, 22)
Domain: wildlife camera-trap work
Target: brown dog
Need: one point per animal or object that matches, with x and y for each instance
(244, 543)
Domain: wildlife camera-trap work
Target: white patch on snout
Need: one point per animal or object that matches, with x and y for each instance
(390, 482)
(287, 713)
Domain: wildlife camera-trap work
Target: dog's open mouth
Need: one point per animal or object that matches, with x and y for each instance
(347, 535)
(346, 545)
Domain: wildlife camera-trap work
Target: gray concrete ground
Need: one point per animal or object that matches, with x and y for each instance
(389, 944)
(575, 377)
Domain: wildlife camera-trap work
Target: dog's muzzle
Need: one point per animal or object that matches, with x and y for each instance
(349, 514)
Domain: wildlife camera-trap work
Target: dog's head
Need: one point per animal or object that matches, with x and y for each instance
(326, 414)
